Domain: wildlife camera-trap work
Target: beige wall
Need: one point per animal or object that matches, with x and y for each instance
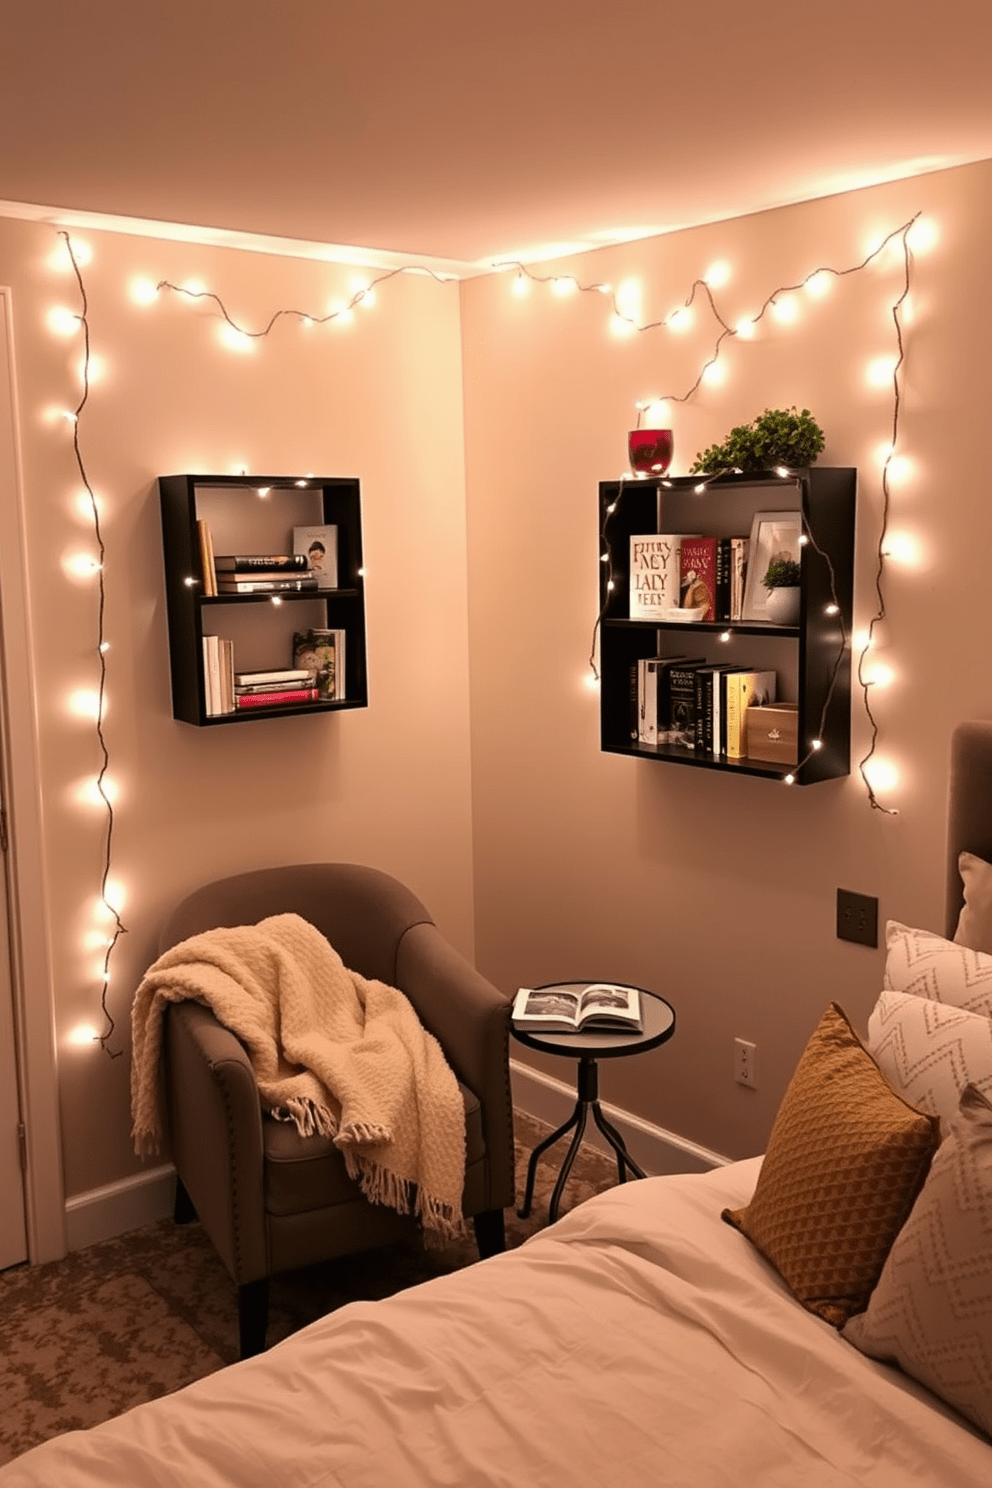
(720, 891)
(717, 891)
(380, 399)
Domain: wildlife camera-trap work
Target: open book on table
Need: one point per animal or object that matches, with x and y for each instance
(600, 1005)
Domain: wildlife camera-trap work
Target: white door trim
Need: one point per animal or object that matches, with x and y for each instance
(34, 1002)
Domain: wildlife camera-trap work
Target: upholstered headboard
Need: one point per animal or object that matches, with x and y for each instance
(969, 808)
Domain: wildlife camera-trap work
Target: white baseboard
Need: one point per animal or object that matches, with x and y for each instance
(104, 1213)
(655, 1150)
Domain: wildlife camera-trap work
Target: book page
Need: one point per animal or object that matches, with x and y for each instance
(551, 1002)
(604, 997)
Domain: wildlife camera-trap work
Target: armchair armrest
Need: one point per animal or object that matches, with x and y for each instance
(470, 1018)
(215, 1125)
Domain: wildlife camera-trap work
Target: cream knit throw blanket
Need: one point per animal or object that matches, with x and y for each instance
(333, 1052)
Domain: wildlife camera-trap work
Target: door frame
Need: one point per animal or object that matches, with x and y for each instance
(30, 919)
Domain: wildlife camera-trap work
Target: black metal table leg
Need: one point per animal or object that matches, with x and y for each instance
(566, 1167)
(616, 1141)
(524, 1211)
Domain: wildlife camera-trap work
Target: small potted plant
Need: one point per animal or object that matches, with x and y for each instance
(779, 436)
(782, 582)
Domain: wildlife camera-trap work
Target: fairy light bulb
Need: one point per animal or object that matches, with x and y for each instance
(717, 275)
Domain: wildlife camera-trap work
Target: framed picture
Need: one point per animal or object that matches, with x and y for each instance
(773, 535)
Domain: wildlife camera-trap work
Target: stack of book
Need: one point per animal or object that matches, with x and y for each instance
(259, 573)
(274, 689)
(694, 704)
(673, 571)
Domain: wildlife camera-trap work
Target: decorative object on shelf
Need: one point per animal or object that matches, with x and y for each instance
(782, 582)
(774, 537)
(650, 451)
(779, 436)
(319, 545)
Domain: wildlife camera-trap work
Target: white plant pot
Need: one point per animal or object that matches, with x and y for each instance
(782, 606)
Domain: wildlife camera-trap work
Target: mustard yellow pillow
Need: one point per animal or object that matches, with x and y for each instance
(845, 1161)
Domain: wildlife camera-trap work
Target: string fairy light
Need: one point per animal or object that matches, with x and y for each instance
(343, 310)
(781, 303)
(101, 783)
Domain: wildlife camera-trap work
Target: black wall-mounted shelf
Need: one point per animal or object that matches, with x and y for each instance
(812, 659)
(256, 514)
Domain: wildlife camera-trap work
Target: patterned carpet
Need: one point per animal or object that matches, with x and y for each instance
(125, 1321)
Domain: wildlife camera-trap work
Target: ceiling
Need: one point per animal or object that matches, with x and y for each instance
(456, 132)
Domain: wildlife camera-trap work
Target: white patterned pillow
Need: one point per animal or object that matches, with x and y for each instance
(975, 920)
(931, 1311)
(929, 1052)
(927, 965)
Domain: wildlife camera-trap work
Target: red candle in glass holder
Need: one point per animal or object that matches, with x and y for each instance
(650, 450)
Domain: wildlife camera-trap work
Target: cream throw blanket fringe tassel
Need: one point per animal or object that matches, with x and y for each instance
(336, 1054)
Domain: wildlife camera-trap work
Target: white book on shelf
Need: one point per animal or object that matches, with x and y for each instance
(211, 675)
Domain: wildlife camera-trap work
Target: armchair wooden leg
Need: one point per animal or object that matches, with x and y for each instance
(253, 1316)
(490, 1232)
(183, 1211)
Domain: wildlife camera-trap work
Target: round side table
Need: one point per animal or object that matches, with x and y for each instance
(658, 1017)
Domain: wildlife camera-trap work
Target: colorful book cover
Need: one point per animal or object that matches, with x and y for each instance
(697, 571)
(320, 547)
(654, 574)
(742, 690)
(682, 694)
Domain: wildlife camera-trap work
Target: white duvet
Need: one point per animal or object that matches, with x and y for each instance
(639, 1341)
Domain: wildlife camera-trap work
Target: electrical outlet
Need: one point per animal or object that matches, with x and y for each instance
(857, 917)
(746, 1063)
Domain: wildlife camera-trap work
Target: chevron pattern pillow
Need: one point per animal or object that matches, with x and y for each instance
(926, 965)
(846, 1159)
(929, 1052)
(932, 1309)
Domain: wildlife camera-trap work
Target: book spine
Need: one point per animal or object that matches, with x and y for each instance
(635, 702)
(274, 699)
(683, 703)
(211, 675)
(703, 722)
(651, 702)
(721, 596)
(265, 586)
(248, 563)
(225, 667)
(209, 572)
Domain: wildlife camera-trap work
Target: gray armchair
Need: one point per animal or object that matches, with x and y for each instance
(273, 1201)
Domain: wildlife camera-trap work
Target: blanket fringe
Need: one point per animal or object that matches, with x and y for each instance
(310, 1117)
(380, 1185)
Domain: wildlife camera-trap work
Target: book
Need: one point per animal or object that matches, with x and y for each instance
(225, 667)
(709, 705)
(743, 690)
(319, 545)
(704, 576)
(739, 548)
(207, 568)
(654, 574)
(321, 653)
(275, 584)
(654, 711)
(600, 1005)
(286, 674)
(278, 698)
(306, 681)
(256, 563)
(682, 694)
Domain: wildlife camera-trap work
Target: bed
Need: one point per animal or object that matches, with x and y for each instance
(644, 1339)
